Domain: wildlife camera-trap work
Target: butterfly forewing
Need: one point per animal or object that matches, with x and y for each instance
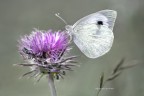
(92, 39)
(111, 17)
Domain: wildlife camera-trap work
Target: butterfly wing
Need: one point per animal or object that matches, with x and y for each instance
(92, 39)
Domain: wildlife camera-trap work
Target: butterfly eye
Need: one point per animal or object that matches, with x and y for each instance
(100, 22)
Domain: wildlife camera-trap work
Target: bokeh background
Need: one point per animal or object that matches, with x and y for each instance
(19, 17)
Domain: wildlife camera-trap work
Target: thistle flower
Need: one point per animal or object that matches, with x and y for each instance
(45, 53)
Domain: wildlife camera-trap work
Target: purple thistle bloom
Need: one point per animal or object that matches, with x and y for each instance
(45, 52)
(44, 44)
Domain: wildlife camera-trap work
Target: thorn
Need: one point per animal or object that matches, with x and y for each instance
(39, 78)
(28, 73)
(32, 75)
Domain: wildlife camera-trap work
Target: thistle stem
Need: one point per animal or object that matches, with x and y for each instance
(51, 85)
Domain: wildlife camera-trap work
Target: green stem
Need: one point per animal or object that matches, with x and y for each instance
(51, 85)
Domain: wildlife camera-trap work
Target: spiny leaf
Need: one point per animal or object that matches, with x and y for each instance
(101, 83)
(112, 77)
(119, 65)
(101, 80)
(129, 66)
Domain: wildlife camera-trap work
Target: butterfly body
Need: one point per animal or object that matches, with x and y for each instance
(93, 34)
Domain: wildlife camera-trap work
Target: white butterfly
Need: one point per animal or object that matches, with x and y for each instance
(93, 33)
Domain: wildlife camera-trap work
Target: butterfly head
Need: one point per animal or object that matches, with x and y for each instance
(69, 29)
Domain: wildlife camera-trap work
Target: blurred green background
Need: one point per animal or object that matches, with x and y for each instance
(19, 17)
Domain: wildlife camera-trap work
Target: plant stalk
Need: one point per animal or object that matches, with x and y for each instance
(51, 85)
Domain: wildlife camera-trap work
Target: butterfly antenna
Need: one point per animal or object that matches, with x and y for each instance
(58, 15)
